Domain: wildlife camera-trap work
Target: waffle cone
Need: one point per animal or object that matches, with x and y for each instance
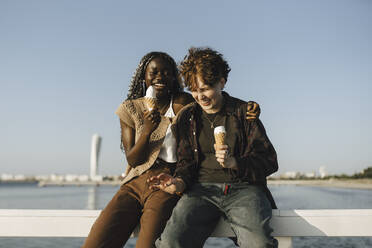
(220, 138)
(150, 103)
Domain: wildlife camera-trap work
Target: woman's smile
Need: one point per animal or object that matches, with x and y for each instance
(159, 86)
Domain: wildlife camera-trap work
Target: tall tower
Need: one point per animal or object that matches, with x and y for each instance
(94, 153)
(322, 172)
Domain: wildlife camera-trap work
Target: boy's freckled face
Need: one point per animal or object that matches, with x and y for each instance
(208, 97)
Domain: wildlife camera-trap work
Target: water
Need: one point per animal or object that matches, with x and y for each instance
(29, 196)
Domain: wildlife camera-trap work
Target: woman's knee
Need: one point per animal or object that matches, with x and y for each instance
(170, 238)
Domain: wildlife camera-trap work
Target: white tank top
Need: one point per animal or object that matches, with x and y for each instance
(168, 149)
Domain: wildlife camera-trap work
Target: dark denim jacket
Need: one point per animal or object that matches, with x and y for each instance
(255, 155)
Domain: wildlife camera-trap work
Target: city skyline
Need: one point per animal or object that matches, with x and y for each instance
(65, 66)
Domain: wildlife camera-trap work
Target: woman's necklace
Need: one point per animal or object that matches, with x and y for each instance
(210, 121)
(163, 109)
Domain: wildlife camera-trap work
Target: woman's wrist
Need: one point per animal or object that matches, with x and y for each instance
(146, 132)
(180, 186)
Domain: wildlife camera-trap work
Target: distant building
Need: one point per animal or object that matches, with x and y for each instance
(55, 177)
(42, 177)
(19, 177)
(71, 178)
(83, 178)
(290, 175)
(7, 177)
(310, 175)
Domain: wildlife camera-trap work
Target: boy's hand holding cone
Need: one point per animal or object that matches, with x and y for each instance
(222, 150)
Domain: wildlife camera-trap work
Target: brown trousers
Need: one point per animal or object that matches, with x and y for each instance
(134, 203)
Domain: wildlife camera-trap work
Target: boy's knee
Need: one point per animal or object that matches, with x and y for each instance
(167, 240)
(258, 240)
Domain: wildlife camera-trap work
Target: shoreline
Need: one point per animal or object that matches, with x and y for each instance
(78, 184)
(335, 183)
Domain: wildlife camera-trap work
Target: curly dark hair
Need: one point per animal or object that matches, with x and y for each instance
(206, 62)
(137, 86)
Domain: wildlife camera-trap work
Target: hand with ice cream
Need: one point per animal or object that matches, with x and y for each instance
(222, 149)
(151, 115)
(219, 135)
(150, 98)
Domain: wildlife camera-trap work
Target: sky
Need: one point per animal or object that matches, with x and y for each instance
(65, 67)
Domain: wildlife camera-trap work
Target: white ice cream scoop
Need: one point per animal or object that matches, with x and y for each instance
(219, 135)
(150, 92)
(150, 98)
(219, 129)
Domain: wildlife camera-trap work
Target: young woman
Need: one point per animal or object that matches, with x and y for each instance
(150, 149)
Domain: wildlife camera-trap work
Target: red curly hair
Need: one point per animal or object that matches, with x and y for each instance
(207, 63)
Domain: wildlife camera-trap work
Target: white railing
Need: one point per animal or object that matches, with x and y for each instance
(286, 223)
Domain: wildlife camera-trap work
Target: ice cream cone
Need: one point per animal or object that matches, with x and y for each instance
(150, 103)
(150, 98)
(219, 135)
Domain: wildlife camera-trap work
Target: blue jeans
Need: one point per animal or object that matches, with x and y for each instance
(197, 213)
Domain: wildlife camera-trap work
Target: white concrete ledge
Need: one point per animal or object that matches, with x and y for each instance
(286, 223)
(77, 223)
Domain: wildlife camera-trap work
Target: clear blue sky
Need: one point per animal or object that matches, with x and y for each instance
(65, 66)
